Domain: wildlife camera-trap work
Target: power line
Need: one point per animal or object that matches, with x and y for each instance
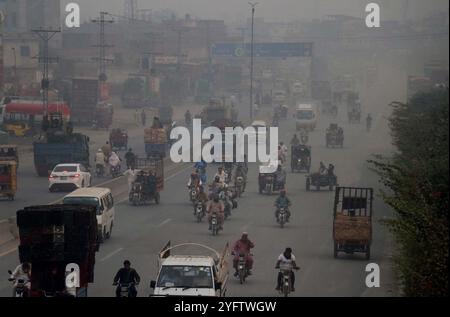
(44, 59)
(102, 60)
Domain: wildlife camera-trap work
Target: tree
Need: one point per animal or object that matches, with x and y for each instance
(417, 176)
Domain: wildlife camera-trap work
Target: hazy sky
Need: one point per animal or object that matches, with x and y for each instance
(273, 10)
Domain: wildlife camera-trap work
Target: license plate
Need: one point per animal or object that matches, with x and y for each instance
(63, 178)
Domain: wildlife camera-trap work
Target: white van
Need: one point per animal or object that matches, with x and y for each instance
(103, 200)
(306, 116)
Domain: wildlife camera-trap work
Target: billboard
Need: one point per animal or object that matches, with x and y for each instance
(279, 50)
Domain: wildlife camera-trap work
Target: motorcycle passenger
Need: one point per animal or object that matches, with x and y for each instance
(114, 160)
(322, 169)
(22, 272)
(151, 182)
(127, 275)
(243, 246)
(295, 141)
(216, 206)
(280, 177)
(283, 201)
(130, 159)
(106, 148)
(286, 260)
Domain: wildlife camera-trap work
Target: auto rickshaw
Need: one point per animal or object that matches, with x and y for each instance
(319, 180)
(300, 158)
(267, 180)
(8, 179)
(118, 138)
(9, 152)
(149, 181)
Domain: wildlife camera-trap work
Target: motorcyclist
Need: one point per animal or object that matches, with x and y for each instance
(322, 169)
(222, 175)
(22, 272)
(114, 160)
(282, 201)
(127, 275)
(216, 206)
(280, 177)
(194, 180)
(295, 141)
(240, 172)
(130, 158)
(243, 246)
(201, 167)
(304, 136)
(228, 168)
(106, 148)
(286, 260)
(276, 119)
(369, 122)
(100, 159)
(216, 186)
(201, 197)
(157, 123)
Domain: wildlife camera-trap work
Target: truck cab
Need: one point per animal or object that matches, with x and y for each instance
(191, 275)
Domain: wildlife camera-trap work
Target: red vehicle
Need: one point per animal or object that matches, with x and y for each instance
(24, 117)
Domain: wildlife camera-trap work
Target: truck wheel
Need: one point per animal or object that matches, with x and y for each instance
(308, 184)
(260, 190)
(157, 198)
(330, 188)
(336, 250)
(368, 253)
(318, 187)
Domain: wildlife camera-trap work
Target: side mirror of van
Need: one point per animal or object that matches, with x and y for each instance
(152, 284)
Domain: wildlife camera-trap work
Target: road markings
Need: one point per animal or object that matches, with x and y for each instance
(7, 252)
(164, 223)
(111, 254)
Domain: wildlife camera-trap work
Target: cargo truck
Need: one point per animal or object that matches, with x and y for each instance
(58, 240)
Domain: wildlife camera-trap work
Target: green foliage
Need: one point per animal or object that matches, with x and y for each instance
(417, 177)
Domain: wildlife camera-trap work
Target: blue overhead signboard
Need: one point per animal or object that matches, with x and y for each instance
(280, 50)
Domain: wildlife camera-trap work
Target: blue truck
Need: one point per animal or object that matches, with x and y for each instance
(49, 152)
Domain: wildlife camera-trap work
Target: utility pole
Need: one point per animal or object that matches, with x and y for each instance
(253, 5)
(131, 9)
(16, 86)
(45, 60)
(102, 60)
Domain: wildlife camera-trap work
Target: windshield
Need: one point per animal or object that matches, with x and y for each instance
(305, 114)
(65, 168)
(89, 201)
(185, 277)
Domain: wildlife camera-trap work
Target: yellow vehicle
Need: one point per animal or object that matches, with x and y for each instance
(8, 179)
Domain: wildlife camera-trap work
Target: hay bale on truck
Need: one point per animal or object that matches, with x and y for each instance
(352, 220)
(155, 142)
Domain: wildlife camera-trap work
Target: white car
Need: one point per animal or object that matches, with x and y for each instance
(69, 177)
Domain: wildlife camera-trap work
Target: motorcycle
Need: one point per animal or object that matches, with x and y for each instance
(214, 223)
(125, 289)
(115, 171)
(239, 186)
(282, 216)
(242, 268)
(99, 170)
(192, 194)
(199, 211)
(286, 283)
(20, 284)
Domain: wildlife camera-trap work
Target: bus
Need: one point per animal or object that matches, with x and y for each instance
(22, 117)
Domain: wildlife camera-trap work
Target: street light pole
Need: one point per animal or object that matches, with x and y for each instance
(253, 5)
(15, 71)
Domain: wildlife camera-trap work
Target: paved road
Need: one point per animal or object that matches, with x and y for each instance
(140, 232)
